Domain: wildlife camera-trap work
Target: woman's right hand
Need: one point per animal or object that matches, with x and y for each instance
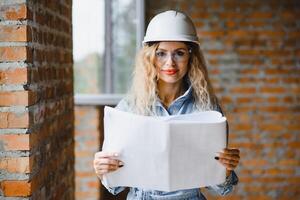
(105, 162)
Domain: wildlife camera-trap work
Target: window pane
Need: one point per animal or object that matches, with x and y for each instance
(88, 45)
(124, 43)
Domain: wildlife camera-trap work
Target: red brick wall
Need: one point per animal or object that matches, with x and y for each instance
(253, 52)
(87, 143)
(36, 99)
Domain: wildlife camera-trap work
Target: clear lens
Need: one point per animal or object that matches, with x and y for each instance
(177, 56)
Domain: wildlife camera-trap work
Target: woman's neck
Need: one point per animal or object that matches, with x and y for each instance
(169, 92)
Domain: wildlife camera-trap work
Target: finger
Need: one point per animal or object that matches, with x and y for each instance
(107, 167)
(229, 162)
(229, 166)
(118, 164)
(105, 161)
(228, 156)
(102, 154)
(231, 151)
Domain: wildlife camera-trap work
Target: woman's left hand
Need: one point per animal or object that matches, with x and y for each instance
(229, 157)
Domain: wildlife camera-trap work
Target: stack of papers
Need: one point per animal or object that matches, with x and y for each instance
(165, 153)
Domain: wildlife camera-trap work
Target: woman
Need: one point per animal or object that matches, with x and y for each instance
(170, 78)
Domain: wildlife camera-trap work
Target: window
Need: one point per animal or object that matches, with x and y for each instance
(106, 35)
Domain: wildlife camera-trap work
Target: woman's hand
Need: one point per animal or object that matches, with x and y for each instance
(105, 162)
(229, 158)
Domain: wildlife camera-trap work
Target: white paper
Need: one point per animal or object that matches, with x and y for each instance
(165, 153)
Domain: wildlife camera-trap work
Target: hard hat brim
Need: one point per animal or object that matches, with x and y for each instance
(179, 39)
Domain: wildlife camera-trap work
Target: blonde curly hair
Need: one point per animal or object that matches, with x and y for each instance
(143, 93)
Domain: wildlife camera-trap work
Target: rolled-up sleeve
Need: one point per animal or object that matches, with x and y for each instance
(112, 190)
(227, 186)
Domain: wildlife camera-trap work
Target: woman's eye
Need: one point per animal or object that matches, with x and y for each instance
(180, 53)
(160, 54)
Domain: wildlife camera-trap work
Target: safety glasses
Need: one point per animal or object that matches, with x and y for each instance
(180, 55)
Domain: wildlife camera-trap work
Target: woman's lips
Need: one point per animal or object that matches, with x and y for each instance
(170, 71)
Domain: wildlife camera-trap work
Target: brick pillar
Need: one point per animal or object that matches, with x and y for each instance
(36, 99)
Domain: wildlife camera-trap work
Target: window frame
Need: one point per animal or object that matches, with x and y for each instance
(108, 98)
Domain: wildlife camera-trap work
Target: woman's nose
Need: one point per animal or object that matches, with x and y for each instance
(170, 60)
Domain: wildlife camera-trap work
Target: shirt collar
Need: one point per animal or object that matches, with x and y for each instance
(179, 100)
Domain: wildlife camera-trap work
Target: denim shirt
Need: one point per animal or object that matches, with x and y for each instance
(182, 105)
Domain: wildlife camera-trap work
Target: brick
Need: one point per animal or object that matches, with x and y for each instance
(244, 100)
(273, 99)
(256, 24)
(18, 98)
(289, 162)
(88, 194)
(16, 188)
(231, 24)
(249, 71)
(274, 80)
(240, 33)
(241, 127)
(261, 15)
(243, 109)
(249, 52)
(211, 34)
(278, 172)
(254, 62)
(255, 162)
(288, 15)
(14, 76)
(272, 90)
(231, 15)
(293, 34)
(14, 54)
(93, 184)
(200, 15)
(15, 165)
(295, 90)
(85, 174)
(272, 127)
(243, 90)
(278, 71)
(294, 145)
(216, 52)
(226, 99)
(14, 120)
(20, 33)
(11, 142)
(15, 12)
(199, 24)
(294, 127)
(245, 80)
(271, 34)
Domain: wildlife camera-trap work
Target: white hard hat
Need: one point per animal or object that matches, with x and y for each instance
(171, 26)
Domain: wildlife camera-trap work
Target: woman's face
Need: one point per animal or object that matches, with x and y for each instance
(171, 61)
